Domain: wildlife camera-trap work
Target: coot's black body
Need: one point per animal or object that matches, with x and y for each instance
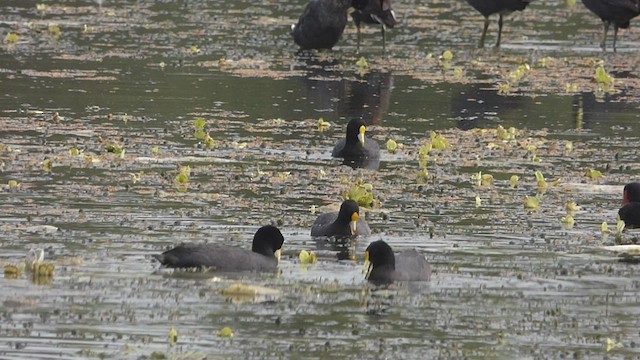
(616, 12)
(321, 24)
(355, 145)
(341, 224)
(385, 267)
(630, 210)
(266, 241)
(500, 7)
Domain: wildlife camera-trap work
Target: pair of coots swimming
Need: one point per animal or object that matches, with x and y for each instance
(384, 266)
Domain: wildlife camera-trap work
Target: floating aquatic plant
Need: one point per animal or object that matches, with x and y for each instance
(47, 166)
(513, 181)
(571, 207)
(362, 63)
(13, 184)
(323, 125)
(11, 38)
(602, 77)
(612, 344)
(438, 141)
(54, 32)
(182, 179)
(392, 146)
(307, 257)
(361, 193)
(478, 201)
(225, 332)
(567, 221)
(447, 55)
(593, 174)
(531, 202)
(173, 337)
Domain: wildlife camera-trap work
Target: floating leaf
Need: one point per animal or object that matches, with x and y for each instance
(531, 202)
(602, 77)
(323, 125)
(13, 184)
(567, 221)
(619, 226)
(307, 257)
(392, 146)
(447, 55)
(225, 332)
(568, 146)
(571, 207)
(593, 174)
(360, 193)
(478, 201)
(208, 141)
(54, 31)
(513, 181)
(11, 38)
(612, 344)
(362, 63)
(604, 228)
(486, 180)
(173, 337)
(47, 166)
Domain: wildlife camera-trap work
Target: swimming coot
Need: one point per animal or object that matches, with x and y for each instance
(630, 210)
(267, 241)
(345, 223)
(321, 24)
(618, 12)
(385, 267)
(500, 7)
(355, 145)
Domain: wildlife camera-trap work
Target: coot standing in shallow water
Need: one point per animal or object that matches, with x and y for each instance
(373, 12)
(500, 7)
(345, 223)
(618, 12)
(321, 24)
(385, 267)
(262, 258)
(630, 210)
(355, 145)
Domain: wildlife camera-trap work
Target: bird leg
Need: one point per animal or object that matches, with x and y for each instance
(615, 36)
(384, 40)
(499, 30)
(604, 36)
(358, 42)
(484, 32)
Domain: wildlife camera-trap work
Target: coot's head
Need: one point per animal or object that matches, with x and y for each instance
(267, 241)
(631, 193)
(380, 256)
(349, 212)
(355, 131)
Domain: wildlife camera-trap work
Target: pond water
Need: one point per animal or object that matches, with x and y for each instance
(135, 75)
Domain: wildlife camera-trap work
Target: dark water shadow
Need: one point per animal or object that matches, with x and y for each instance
(343, 96)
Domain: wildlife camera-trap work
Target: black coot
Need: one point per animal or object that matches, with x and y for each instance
(500, 7)
(618, 12)
(321, 24)
(630, 210)
(262, 258)
(355, 145)
(373, 12)
(345, 223)
(385, 267)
